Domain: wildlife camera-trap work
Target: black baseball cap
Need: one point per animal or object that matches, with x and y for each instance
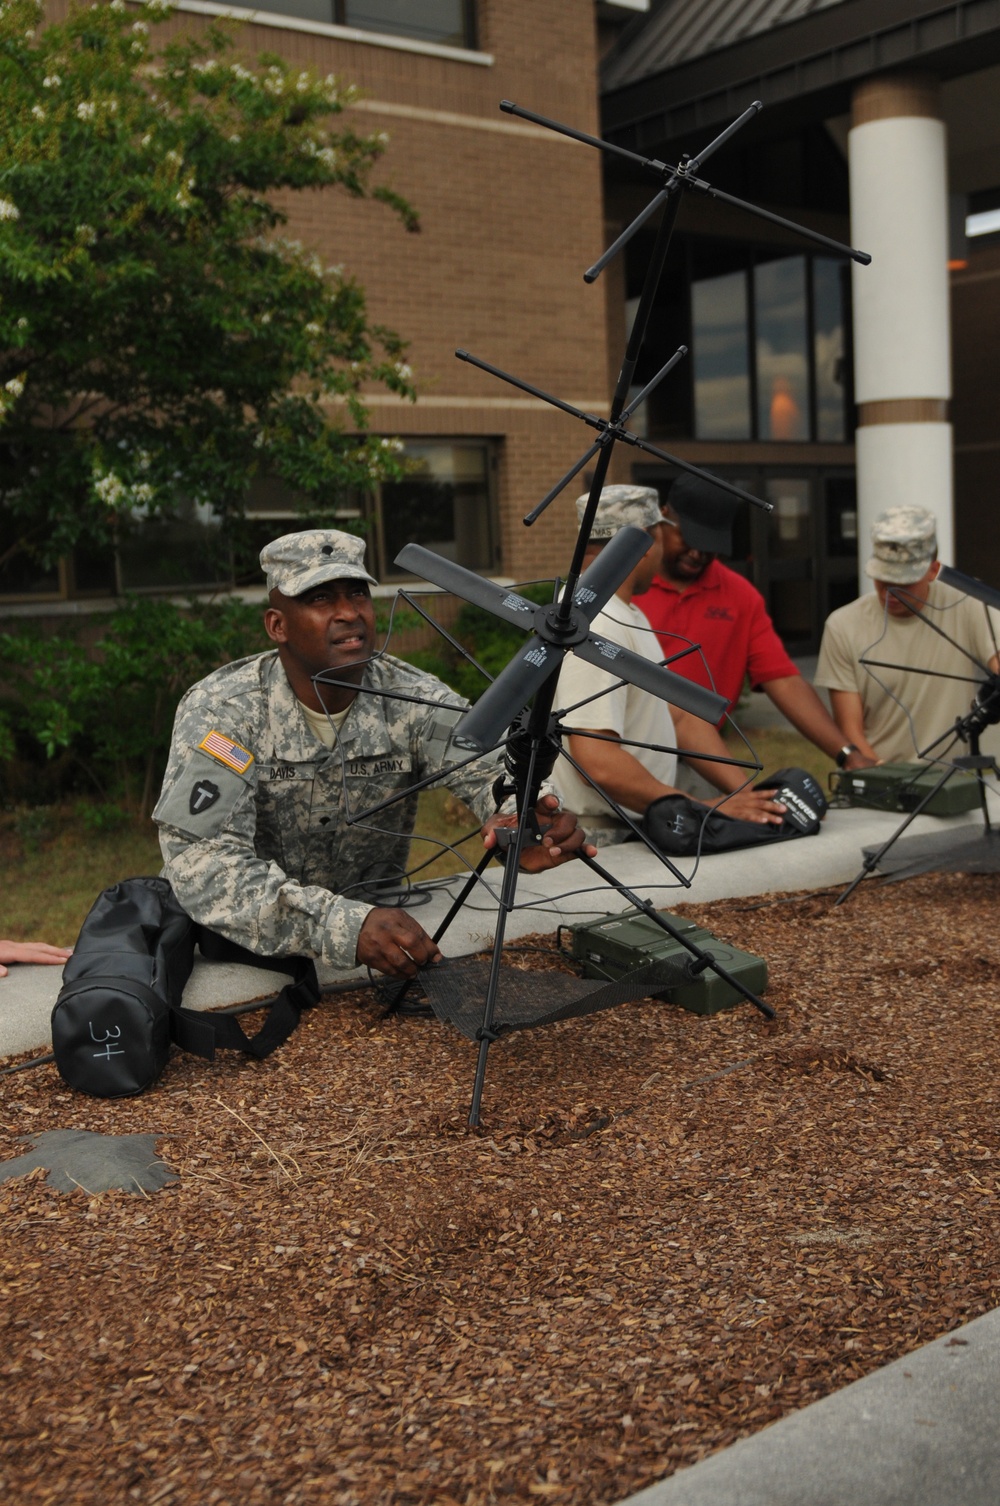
(707, 513)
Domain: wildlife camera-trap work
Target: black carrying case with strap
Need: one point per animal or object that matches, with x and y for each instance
(119, 1009)
(682, 827)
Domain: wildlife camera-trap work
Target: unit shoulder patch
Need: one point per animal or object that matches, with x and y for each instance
(203, 794)
(202, 797)
(224, 750)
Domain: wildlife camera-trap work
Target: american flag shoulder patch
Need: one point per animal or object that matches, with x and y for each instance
(226, 751)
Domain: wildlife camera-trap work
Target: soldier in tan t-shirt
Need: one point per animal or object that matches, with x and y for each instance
(896, 709)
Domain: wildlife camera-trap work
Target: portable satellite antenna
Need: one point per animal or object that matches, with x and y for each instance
(516, 710)
(964, 851)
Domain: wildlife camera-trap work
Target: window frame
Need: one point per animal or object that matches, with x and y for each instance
(287, 518)
(469, 25)
(382, 566)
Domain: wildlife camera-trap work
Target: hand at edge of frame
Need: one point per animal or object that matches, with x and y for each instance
(35, 953)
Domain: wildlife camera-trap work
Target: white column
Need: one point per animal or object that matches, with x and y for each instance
(902, 345)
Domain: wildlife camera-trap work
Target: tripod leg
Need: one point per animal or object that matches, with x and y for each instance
(537, 767)
(395, 999)
(486, 1036)
(974, 751)
(876, 857)
(466, 890)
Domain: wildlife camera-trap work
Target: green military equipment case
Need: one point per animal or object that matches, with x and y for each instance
(902, 786)
(618, 944)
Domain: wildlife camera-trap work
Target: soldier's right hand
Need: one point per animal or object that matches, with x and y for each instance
(392, 942)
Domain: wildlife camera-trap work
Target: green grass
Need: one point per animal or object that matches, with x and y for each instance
(54, 866)
(782, 748)
(54, 869)
(54, 863)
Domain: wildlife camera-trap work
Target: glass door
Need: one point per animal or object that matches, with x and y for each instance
(839, 576)
(789, 566)
(803, 555)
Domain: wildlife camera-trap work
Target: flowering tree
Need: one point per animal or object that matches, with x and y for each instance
(159, 337)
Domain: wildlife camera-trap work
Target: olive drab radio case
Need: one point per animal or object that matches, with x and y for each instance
(119, 1009)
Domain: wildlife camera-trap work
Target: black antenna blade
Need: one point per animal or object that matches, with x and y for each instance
(617, 559)
(720, 140)
(539, 508)
(468, 585)
(862, 257)
(649, 676)
(593, 273)
(970, 585)
(485, 724)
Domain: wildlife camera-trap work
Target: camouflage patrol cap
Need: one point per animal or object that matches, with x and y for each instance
(621, 507)
(296, 562)
(904, 545)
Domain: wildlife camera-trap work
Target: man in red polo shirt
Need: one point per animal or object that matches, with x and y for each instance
(697, 600)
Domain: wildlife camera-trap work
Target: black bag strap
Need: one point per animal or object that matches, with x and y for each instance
(203, 1033)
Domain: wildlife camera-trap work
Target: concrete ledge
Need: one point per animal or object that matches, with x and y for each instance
(920, 1432)
(562, 896)
(27, 995)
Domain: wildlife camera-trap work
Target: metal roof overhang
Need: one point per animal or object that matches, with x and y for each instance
(807, 67)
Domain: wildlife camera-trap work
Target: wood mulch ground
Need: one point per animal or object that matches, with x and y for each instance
(670, 1232)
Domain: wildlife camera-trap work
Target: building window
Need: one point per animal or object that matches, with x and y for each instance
(829, 301)
(445, 503)
(769, 339)
(779, 298)
(768, 350)
(447, 22)
(22, 579)
(184, 551)
(789, 312)
(721, 355)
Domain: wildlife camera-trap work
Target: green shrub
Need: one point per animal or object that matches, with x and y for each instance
(490, 641)
(100, 816)
(110, 707)
(33, 826)
(98, 718)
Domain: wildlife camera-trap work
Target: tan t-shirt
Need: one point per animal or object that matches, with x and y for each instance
(906, 708)
(625, 709)
(320, 722)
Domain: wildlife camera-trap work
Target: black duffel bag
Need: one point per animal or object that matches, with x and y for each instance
(119, 1009)
(682, 827)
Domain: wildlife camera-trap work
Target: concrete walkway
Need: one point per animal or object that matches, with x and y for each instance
(919, 1432)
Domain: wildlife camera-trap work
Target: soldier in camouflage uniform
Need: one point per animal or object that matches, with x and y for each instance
(263, 775)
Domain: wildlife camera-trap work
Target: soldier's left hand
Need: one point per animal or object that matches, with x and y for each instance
(563, 839)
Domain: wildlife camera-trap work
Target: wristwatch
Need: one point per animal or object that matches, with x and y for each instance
(844, 754)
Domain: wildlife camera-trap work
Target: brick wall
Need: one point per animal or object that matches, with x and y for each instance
(510, 215)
